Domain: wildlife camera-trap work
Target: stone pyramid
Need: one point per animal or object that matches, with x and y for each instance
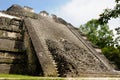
(46, 45)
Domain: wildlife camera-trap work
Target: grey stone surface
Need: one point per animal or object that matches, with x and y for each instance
(4, 68)
(41, 52)
(7, 34)
(10, 45)
(4, 21)
(13, 68)
(72, 54)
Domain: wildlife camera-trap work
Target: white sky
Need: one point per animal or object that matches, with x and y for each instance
(79, 12)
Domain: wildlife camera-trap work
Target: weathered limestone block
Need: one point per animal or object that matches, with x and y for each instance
(11, 61)
(8, 55)
(7, 21)
(29, 9)
(10, 35)
(11, 45)
(10, 28)
(15, 22)
(4, 68)
(13, 68)
(4, 21)
(2, 33)
(44, 13)
(14, 63)
(14, 27)
(7, 34)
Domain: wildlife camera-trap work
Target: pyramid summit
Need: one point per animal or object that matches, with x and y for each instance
(46, 45)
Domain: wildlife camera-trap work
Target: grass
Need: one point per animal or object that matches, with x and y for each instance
(25, 77)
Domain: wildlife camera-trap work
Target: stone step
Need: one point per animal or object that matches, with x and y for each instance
(51, 57)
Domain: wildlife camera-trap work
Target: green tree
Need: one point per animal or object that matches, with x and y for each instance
(105, 36)
(110, 13)
(90, 29)
(117, 39)
(99, 35)
(113, 54)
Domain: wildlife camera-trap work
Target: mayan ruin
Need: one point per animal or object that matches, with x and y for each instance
(46, 45)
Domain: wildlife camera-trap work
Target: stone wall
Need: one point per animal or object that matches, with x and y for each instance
(16, 51)
(12, 53)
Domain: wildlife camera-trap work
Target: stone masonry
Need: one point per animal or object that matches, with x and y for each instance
(39, 44)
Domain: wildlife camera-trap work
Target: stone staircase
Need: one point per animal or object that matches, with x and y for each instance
(51, 57)
(44, 56)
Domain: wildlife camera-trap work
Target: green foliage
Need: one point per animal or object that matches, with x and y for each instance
(110, 13)
(99, 35)
(105, 36)
(117, 40)
(90, 29)
(113, 54)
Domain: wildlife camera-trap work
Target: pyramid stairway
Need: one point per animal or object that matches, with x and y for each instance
(39, 44)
